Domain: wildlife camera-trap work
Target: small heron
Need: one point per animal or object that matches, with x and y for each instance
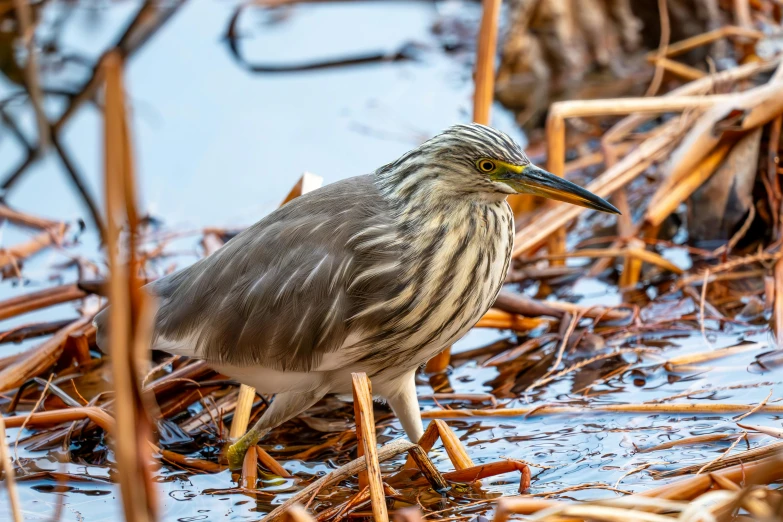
(375, 274)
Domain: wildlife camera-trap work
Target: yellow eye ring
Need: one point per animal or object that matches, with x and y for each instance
(485, 165)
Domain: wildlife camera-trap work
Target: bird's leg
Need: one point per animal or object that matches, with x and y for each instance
(405, 404)
(285, 406)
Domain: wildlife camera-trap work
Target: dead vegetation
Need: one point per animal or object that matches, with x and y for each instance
(692, 276)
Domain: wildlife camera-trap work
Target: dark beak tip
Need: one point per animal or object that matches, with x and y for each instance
(547, 180)
(604, 206)
(601, 205)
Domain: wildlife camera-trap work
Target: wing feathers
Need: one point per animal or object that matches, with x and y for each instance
(287, 291)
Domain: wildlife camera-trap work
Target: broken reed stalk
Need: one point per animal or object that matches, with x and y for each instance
(468, 475)
(684, 408)
(485, 61)
(193, 370)
(78, 346)
(663, 43)
(44, 418)
(757, 106)
(469, 397)
(41, 299)
(32, 85)
(508, 506)
(521, 304)
(440, 362)
(632, 265)
(426, 442)
(187, 462)
(518, 351)
(417, 458)
(494, 318)
(697, 439)
(772, 432)
(10, 257)
(592, 312)
(711, 355)
(625, 106)
(22, 332)
(269, 462)
(130, 316)
(634, 250)
(350, 469)
(555, 162)
(37, 360)
(364, 481)
(724, 460)
(597, 511)
(8, 471)
(242, 411)
(700, 40)
(686, 72)
(222, 406)
(27, 220)
(660, 208)
(365, 433)
(250, 469)
(491, 469)
(714, 462)
(763, 471)
(438, 429)
(307, 183)
(778, 308)
(454, 449)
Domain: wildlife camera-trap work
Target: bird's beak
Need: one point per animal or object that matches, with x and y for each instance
(529, 179)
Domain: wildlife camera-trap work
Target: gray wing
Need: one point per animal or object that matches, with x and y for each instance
(288, 290)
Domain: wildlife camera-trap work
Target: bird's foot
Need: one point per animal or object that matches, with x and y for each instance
(236, 455)
(236, 452)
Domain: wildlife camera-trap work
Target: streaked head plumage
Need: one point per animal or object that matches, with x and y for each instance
(470, 142)
(469, 160)
(453, 159)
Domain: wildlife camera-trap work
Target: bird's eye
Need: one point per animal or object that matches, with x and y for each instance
(486, 165)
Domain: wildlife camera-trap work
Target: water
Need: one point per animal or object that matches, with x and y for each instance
(219, 146)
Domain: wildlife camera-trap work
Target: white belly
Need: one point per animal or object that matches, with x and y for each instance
(269, 381)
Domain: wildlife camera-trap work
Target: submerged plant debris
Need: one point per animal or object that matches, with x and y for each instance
(630, 368)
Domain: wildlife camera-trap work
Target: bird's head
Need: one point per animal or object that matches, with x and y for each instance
(474, 158)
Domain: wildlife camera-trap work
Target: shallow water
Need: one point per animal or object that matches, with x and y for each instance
(218, 146)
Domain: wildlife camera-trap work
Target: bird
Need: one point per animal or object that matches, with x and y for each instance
(375, 273)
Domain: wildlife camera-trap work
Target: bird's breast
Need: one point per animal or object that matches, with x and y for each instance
(458, 266)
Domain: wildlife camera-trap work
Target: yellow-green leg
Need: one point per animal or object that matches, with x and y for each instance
(236, 452)
(285, 406)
